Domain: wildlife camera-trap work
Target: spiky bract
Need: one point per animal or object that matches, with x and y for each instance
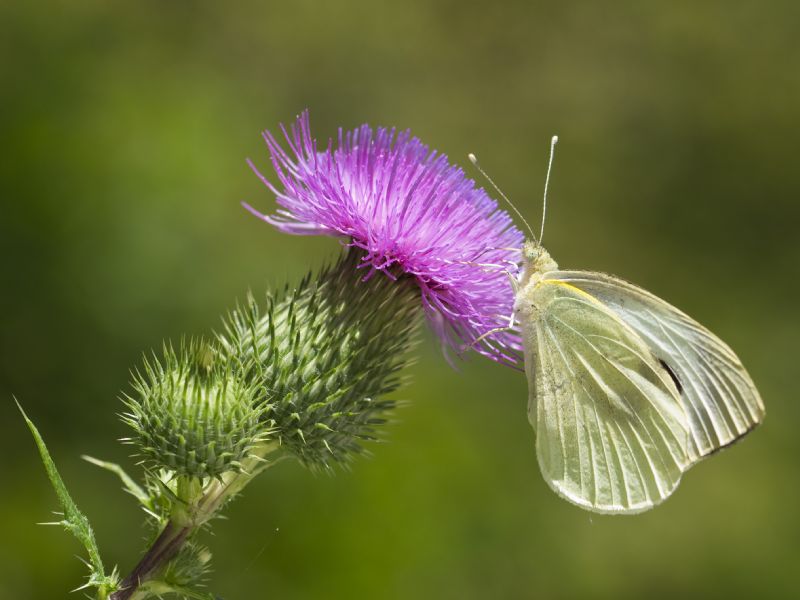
(193, 414)
(325, 354)
(189, 568)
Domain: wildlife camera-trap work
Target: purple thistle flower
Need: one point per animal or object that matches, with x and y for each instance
(411, 212)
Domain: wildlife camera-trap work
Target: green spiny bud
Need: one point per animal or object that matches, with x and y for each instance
(192, 414)
(325, 354)
(189, 568)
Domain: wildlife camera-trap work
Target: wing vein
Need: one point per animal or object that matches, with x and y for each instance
(578, 436)
(625, 375)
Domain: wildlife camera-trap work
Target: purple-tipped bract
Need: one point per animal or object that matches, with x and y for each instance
(410, 211)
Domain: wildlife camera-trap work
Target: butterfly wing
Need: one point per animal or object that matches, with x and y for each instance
(611, 432)
(721, 402)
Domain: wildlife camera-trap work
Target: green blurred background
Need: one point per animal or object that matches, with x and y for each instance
(124, 129)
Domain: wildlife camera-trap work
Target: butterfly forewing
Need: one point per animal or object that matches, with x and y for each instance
(720, 399)
(612, 433)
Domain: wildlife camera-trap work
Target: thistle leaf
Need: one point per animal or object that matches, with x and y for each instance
(74, 520)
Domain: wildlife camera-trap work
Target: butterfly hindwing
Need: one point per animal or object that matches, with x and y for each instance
(721, 401)
(612, 433)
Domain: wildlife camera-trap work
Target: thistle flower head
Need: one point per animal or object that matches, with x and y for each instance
(411, 212)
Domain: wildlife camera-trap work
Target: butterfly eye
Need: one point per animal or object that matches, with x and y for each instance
(531, 251)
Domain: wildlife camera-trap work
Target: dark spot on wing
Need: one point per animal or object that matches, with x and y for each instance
(672, 375)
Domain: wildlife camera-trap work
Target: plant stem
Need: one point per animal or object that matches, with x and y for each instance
(182, 525)
(164, 549)
(220, 490)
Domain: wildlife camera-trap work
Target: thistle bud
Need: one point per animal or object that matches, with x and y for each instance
(188, 569)
(192, 414)
(325, 354)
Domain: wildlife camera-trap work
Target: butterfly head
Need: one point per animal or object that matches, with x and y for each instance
(536, 258)
(531, 251)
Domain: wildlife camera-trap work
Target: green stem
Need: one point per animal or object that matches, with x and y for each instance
(220, 490)
(183, 524)
(164, 549)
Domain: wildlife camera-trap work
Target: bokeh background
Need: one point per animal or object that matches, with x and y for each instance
(123, 133)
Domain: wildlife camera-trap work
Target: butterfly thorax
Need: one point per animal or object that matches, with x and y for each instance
(536, 262)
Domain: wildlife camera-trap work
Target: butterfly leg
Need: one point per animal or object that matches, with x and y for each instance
(514, 286)
(480, 338)
(485, 266)
(511, 318)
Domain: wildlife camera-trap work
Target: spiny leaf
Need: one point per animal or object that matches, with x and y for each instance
(74, 520)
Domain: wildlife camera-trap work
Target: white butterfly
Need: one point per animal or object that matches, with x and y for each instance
(626, 392)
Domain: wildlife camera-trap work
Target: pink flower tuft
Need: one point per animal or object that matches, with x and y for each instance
(410, 211)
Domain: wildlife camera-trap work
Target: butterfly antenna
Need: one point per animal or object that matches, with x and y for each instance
(553, 142)
(474, 160)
